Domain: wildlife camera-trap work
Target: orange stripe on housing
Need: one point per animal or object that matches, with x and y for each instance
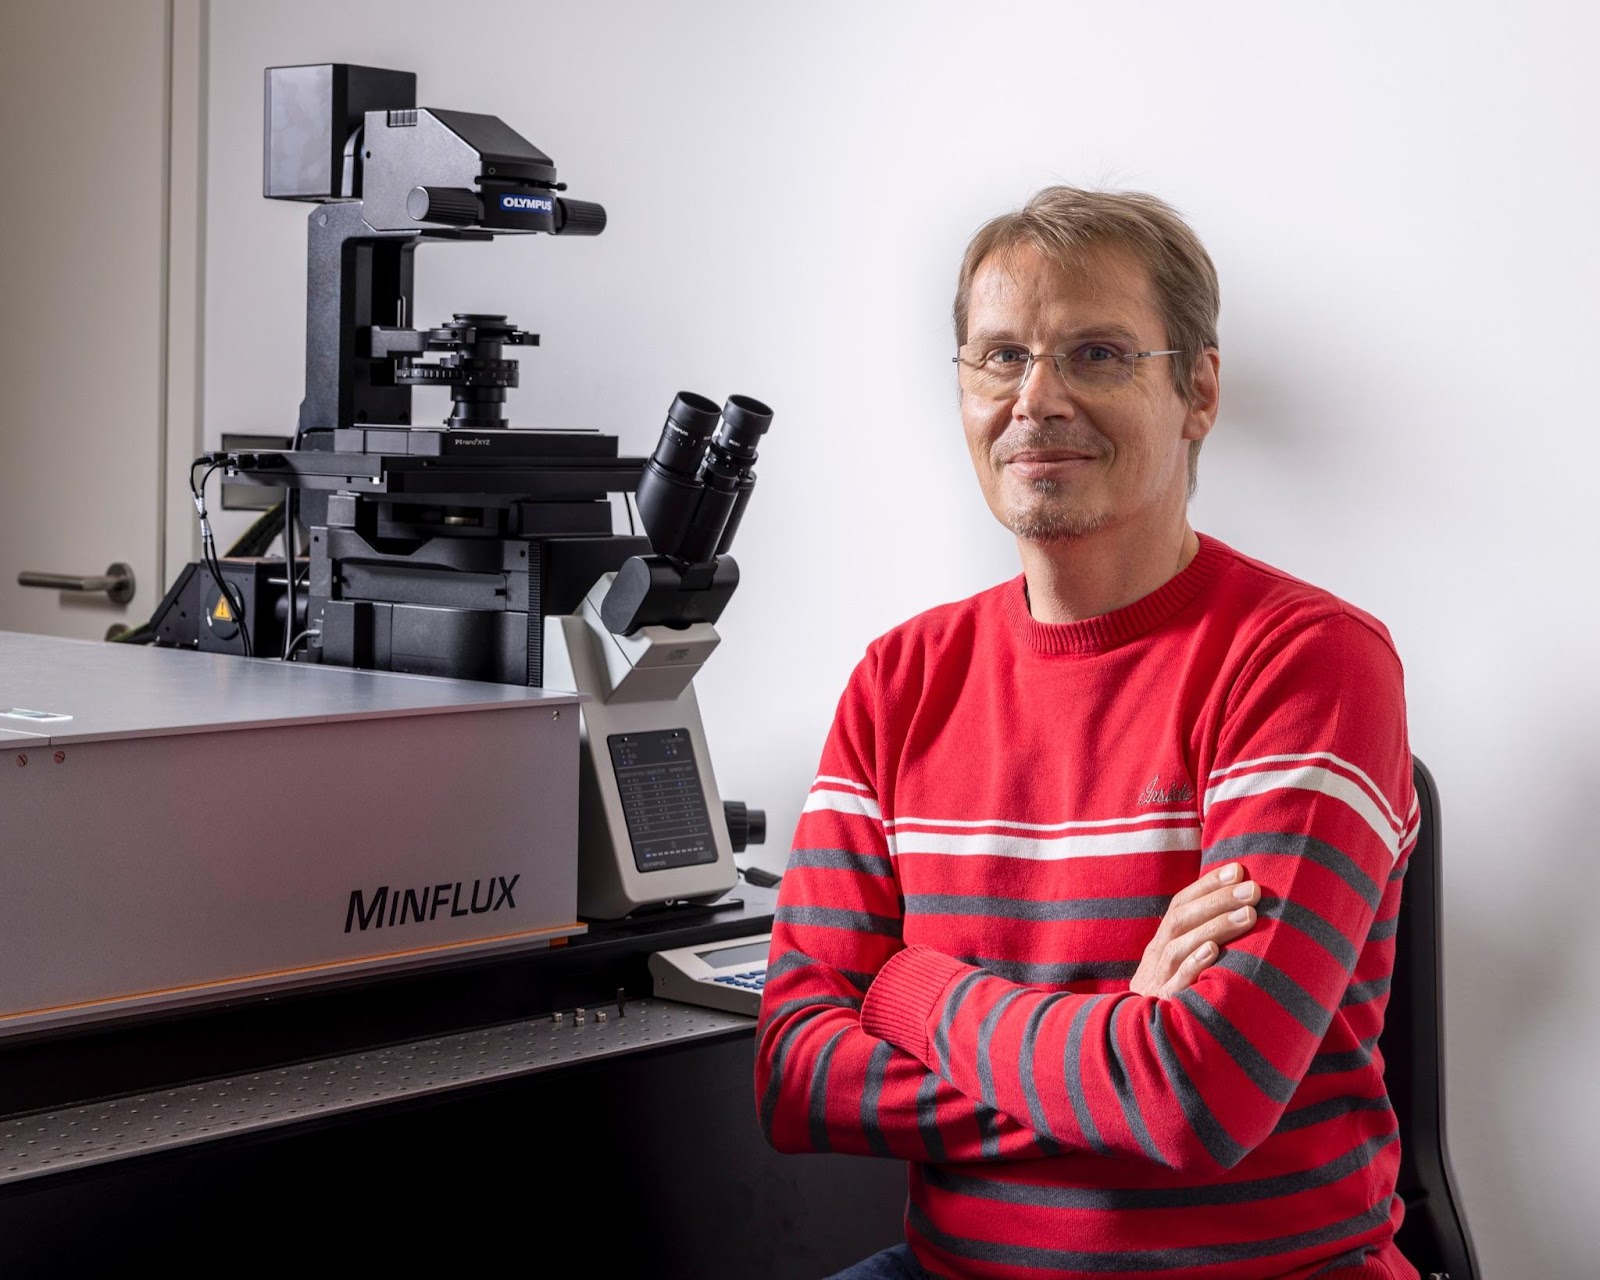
(288, 973)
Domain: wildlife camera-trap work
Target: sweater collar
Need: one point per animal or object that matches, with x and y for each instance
(1109, 630)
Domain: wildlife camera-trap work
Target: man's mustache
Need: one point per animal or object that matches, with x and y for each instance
(1090, 444)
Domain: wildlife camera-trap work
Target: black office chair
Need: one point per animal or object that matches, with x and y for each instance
(1434, 1235)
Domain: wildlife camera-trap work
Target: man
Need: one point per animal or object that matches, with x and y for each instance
(1010, 947)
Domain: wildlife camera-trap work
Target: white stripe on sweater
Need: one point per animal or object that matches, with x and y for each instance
(842, 782)
(1053, 849)
(842, 802)
(1141, 819)
(1374, 790)
(1310, 778)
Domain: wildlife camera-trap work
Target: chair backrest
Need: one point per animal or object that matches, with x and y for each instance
(1434, 1235)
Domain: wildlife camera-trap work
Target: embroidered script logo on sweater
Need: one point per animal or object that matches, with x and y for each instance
(1179, 792)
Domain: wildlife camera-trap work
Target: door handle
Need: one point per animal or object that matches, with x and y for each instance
(116, 582)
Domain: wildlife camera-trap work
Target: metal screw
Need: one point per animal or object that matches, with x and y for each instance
(22, 760)
(578, 1017)
(556, 714)
(61, 757)
(599, 1015)
(557, 1017)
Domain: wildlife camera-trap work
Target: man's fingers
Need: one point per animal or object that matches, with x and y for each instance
(1215, 909)
(1200, 947)
(1181, 919)
(1189, 970)
(1223, 876)
(1187, 952)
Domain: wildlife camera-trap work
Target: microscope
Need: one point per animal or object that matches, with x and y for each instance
(470, 548)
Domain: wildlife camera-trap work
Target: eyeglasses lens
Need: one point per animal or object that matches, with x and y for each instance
(998, 373)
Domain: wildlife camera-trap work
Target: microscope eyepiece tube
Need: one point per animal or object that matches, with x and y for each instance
(719, 492)
(690, 422)
(744, 422)
(669, 489)
(726, 478)
(741, 500)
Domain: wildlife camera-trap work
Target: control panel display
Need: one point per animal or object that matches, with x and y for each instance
(662, 799)
(736, 957)
(729, 975)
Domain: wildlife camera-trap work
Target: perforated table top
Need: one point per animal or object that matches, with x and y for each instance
(72, 1138)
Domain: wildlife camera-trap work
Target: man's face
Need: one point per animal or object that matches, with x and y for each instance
(1057, 463)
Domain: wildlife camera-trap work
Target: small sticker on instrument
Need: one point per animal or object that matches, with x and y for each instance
(35, 717)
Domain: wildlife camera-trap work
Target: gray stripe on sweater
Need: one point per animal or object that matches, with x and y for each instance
(817, 1106)
(952, 1005)
(1312, 925)
(871, 1098)
(780, 1058)
(835, 918)
(866, 864)
(1294, 999)
(1329, 1109)
(1219, 1144)
(1073, 1071)
(1124, 1199)
(1324, 1064)
(999, 908)
(1361, 992)
(1289, 845)
(1124, 1087)
(788, 962)
(1272, 1082)
(1382, 930)
(990, 1140)
(1027, 1059)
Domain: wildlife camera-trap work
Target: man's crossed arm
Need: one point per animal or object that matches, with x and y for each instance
(907, 1109)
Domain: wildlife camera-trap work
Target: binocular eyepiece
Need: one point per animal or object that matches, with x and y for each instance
(697, 483)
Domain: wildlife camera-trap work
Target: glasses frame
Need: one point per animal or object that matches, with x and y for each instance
(1056, 357)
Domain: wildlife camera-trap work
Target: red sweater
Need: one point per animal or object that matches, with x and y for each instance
(1003, 811)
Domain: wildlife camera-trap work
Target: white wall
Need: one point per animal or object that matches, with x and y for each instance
(1402, 201)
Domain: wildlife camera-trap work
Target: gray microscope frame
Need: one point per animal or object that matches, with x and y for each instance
(636, 683)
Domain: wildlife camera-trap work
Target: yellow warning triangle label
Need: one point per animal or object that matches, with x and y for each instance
(222, 613)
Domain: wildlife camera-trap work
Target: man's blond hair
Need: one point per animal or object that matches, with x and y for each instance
(1065, 223)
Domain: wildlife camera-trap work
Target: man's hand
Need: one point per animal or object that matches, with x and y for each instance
(1216, 908)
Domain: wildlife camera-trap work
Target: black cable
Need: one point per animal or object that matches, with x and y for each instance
(252, 542)
(208, 545)
(291, 501)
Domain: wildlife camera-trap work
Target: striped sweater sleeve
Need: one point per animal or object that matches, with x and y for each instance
(1309, 787)
(822, 1083)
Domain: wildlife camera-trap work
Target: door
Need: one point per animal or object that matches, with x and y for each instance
(84, 154)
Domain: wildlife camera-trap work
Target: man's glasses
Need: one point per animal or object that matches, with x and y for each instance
(997, 370)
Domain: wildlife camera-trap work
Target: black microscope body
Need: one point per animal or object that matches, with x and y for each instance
(440, 549)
